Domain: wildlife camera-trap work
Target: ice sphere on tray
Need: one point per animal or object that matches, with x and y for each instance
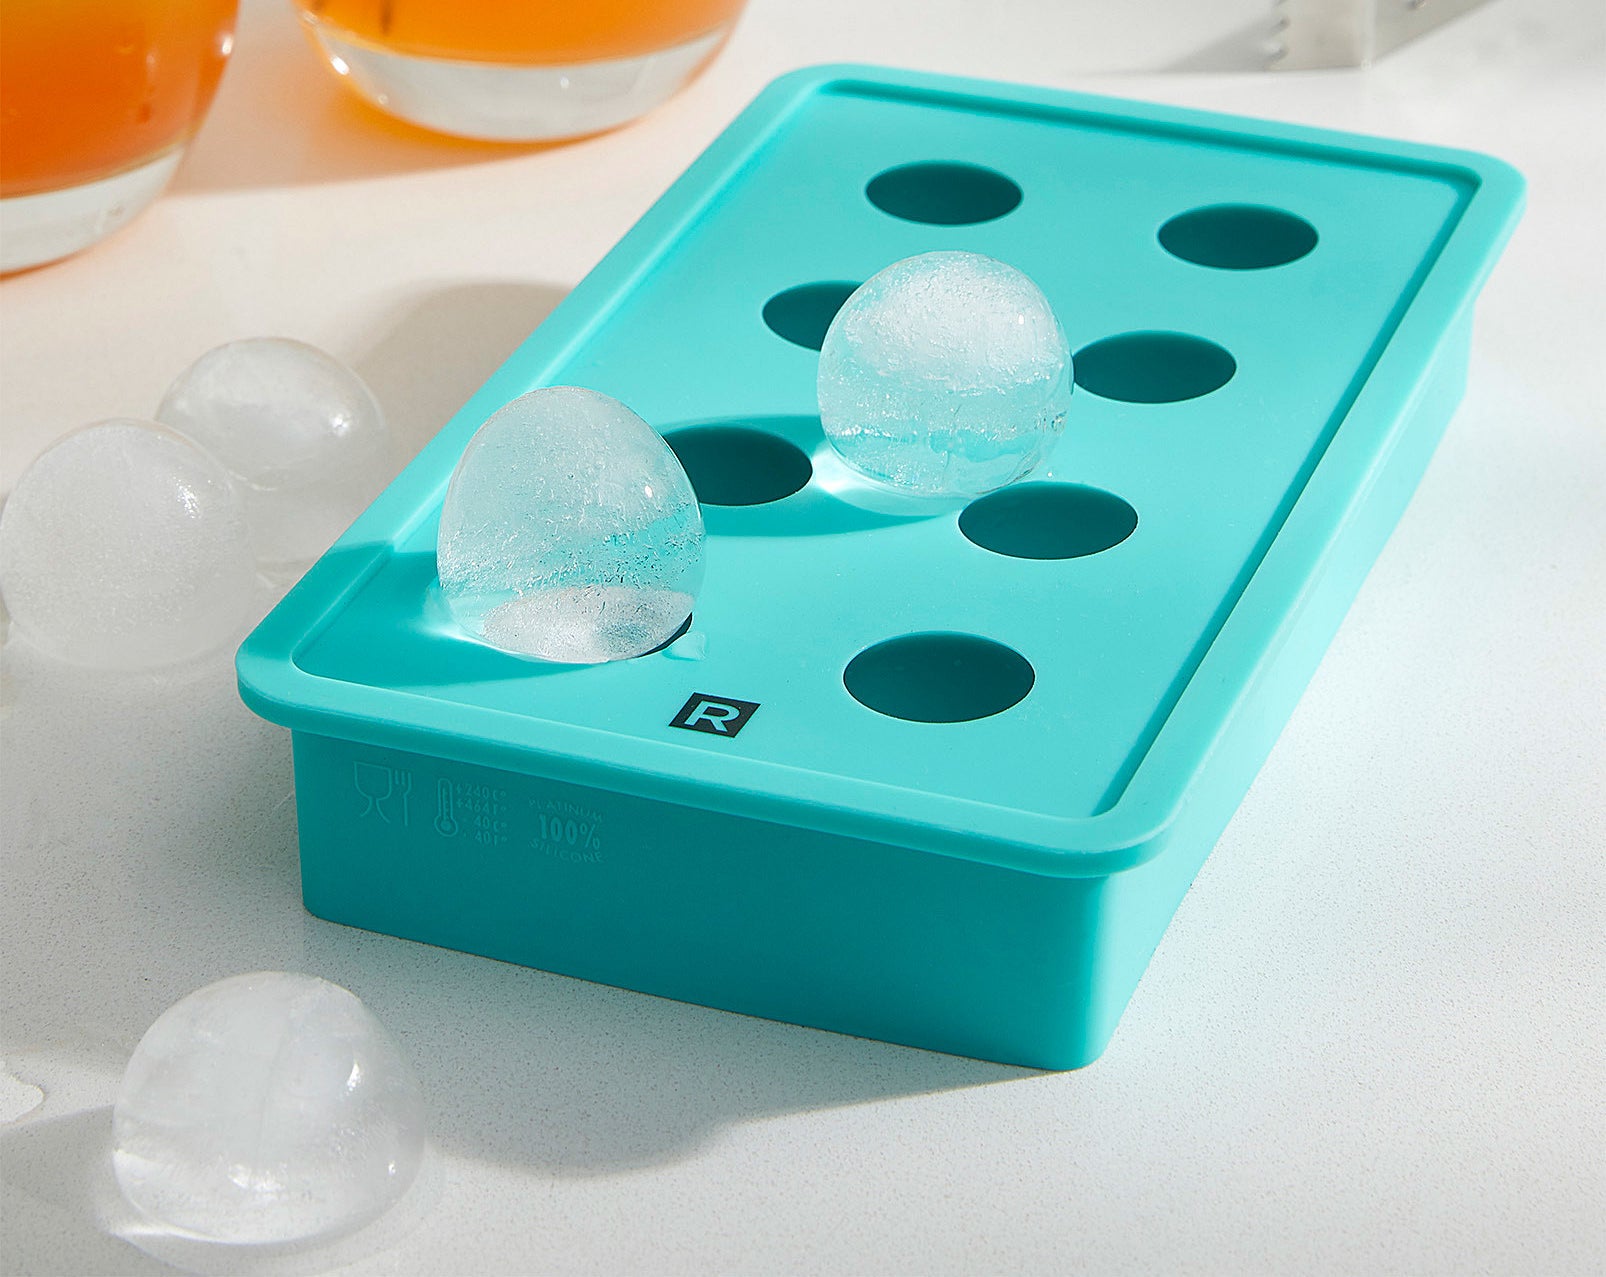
(945, 374)
(301, 433)
(570, 532)
(125, 546)
(267, 1108)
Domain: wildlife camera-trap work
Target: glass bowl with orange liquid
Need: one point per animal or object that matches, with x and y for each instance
(98, 100)
(518, 70)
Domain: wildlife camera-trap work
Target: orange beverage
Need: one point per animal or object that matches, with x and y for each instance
(93, 90)
(524, 70)
(558, 31)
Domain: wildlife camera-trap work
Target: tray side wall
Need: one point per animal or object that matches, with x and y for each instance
(725, 911)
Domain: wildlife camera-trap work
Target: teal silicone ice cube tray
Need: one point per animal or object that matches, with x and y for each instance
(942, 777)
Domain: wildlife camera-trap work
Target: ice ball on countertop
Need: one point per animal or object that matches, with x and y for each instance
(945, 374)
(300, 432)
(570, 531)
(267, 1108)
(125, 546)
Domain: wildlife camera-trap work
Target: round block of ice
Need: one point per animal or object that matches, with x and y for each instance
(946, 375)
(300, 432)
(267, 1108)
(124, 545)
(570, 531)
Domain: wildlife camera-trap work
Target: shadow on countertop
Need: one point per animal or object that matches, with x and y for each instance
(440, 346)
(282, 118)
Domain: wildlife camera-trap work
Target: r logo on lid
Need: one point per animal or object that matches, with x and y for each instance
(717, 715)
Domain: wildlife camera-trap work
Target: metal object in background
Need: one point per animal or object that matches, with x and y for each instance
(1342, 33)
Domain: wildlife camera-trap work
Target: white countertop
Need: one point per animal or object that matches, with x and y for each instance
(1370, 1041)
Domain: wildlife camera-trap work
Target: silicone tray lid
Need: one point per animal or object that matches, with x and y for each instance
(1140, 654)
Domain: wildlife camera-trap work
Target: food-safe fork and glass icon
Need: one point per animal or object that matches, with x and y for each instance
(379, 785)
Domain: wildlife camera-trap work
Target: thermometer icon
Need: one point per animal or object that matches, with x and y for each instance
(445, 822)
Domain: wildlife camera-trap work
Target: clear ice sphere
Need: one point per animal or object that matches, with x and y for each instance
(570, 531)
(300, 432)
(125, 546)
(267, 1108)
(945, 375)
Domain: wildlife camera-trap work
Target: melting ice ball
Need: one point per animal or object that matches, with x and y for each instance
(124, 545)
(570, 531)
(300, 432)
(945, 374)
(267, 1108)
